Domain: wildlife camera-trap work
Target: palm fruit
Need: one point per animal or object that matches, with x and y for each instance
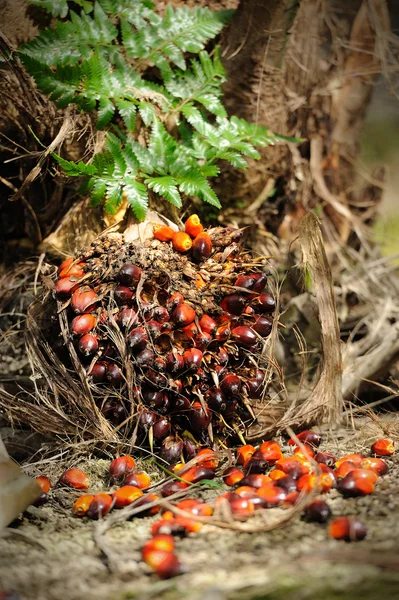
(175, 364)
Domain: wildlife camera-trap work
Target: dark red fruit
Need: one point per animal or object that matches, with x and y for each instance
(100, 506)
(152, 398)
(202, 340)
(154, 328)
(256, 465)
(145, 358)
(171, 449)
(82, 299)
(129, 275)
(349, 529)
(231, 385)
(121, 467)
(65, 287)
(244, 336)
(306, 437)
(260, 282)
(263, 326)
(174, 362)
(254, 388)
(245, 281)
(183, 315)
(198, 473)
(160, 314)
(325, 458)
(82, 324)
(317, 511)
(172, 487)
(114, 411)
(98, 372)
(190, 448)
(147, 418)
(233, 304)
(174, 301)
(200, 416)
(113, 374)
(88, 345)
(192, 359)
(216, 400)
(223, 333)
(127, 317)
(123, 295)
(207, 324)
(202, 247)
(138, 339)
(265, 303)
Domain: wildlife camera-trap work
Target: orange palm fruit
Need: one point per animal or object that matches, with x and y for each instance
(207, 458)
(181, 241)
(44, 483)
(75, 478)
(244, 453)
(126, 495)
(354, 457)
(349, 529)
(163, 233)
(140, 480)
(271, 452)
(193, 226)
(377, 465)
(383, 448)
(82, 504)
(233, 475)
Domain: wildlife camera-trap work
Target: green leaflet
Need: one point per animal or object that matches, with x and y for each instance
(166, 126)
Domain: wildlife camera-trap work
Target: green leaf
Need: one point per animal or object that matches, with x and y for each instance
(147, 112)
(58, 8)
(165, 186)
(98, 192)
(137, 197)
(127, 110)
(105, 112)
(113, 196)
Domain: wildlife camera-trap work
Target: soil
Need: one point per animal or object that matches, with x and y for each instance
(57, 557)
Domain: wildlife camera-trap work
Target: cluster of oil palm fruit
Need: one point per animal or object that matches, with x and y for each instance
(261, 478)
(169, 331)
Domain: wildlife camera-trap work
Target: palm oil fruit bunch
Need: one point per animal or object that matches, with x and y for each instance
(169, 332)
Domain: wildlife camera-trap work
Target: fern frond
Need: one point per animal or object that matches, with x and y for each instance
(166, 187)
(137, 197)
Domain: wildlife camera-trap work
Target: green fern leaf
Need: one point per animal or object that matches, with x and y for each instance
(98, 192)
(114, 145)
(147, 112)
(193, 183)
(166, 187)
(113, 196)
(162, 146)
(143, 156)
(105, 112)
(73, 169)
(58, 8)
(137, 197)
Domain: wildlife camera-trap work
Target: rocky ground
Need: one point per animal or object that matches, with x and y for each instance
(51, 555)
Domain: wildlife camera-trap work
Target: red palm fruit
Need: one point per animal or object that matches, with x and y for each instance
(114, 375)
(154, 328)
(256, 465)
(306, 437)
(383, 448)
(215, 400)
(82, 324)
(190, 448)
(192, 359)
(271, 452)
(75, 478)
(190, 330)
(241, 508)
(83, 299)
(223, 332)
(287, 483)
(245, 281)
(207, 324)
(231, 385)
(140, 480)
(88, 344)
(156, 380)
(202, 247)
(114, 411)
(232, 476)
(260, 282)
(82, 504)
(245, 491)
(168, 527)
(195, 474)
(160, 314)
(172, 487)
(99, 506)
(207, 458)
(129, 275)
(244, 336)
(356, 459)
(195, 507)
(292, 467)
(145, 358)
(126, 495)
(264, 304)
(351, 486)
(364, 474)
(345, 468)
(330, 473)
(174, 300)
(276, 474)
(181, 241)
(98, 371)
(147, 418)
(377, 465)
(233, 304)
(272, 494)
(65, 265)
(137, 339)
(306, 453)
(123, 295)
(147, 499)
(308, 482)
(163, 233)
(202, 341)
(76, 270)
(121, 467)
(161, 428)
(183, 315)
(193, 226)
(200, 416)
(244, 453)
(171, 449)
(254, 388)
(65, 287)
(44, 483)
(349, 529)
(174, 362)
(263, 326)
(325, 458)
(317, 511)
(161, 542)
(256, 480)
